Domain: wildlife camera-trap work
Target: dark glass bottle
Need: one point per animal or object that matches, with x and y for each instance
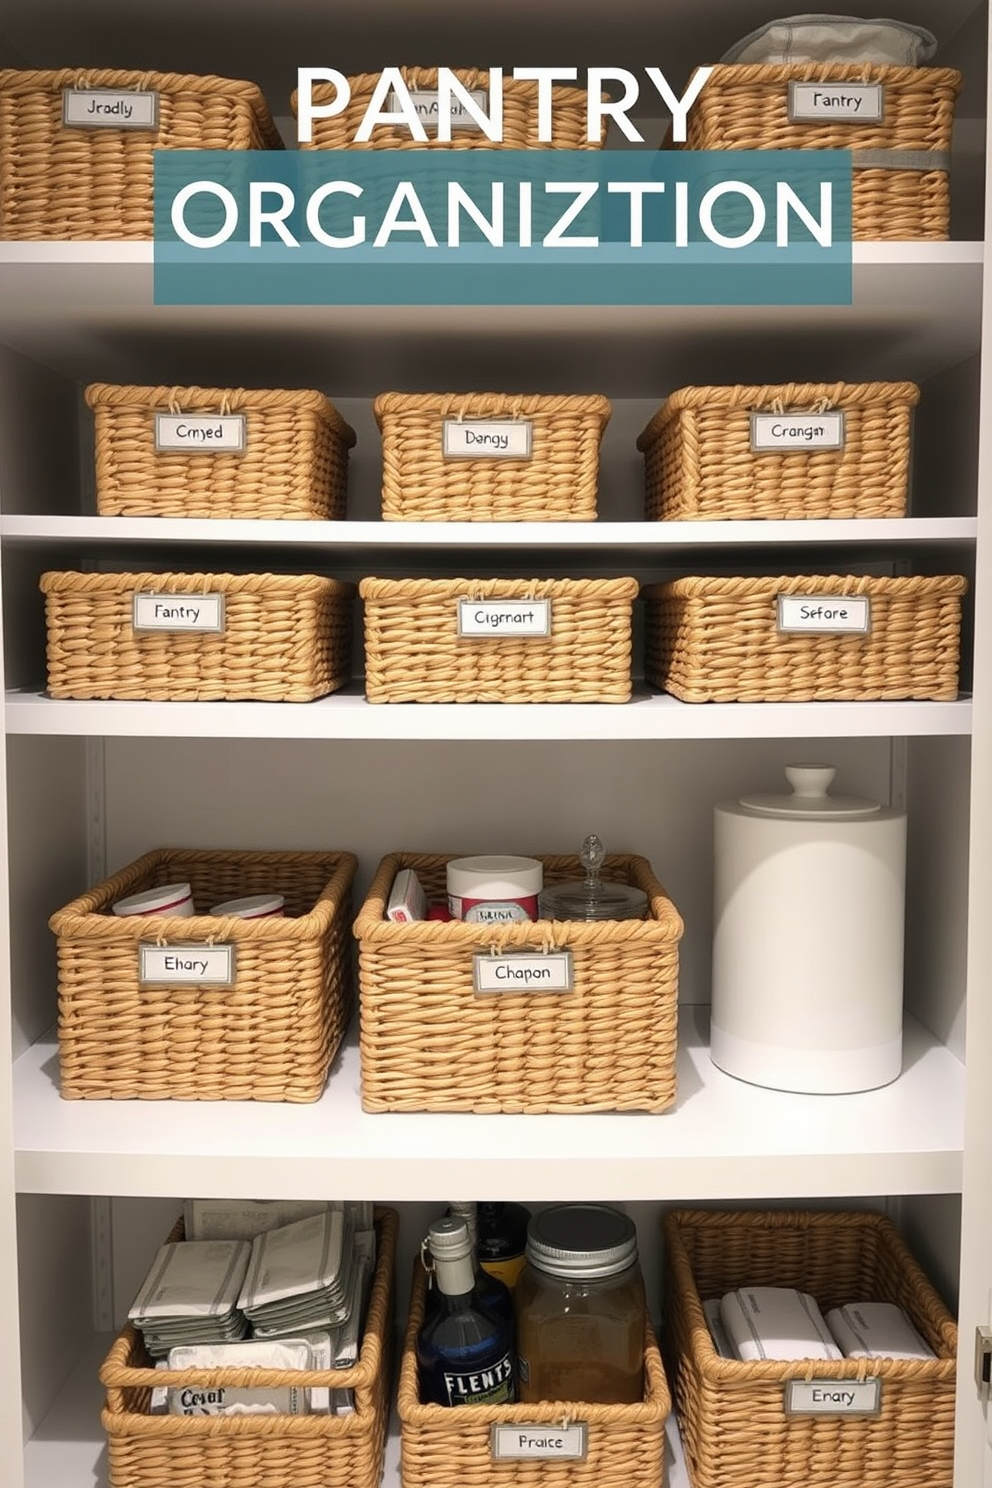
(464, 1354)
(494, 1295)
(501, 1240)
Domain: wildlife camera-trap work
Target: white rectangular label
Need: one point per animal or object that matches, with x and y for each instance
(524, 973)
(796, 431)
(825, 1397)
(201, 433)
(487, 439)
(824, 614)
(109, 108)
(565, 1443)
(178, 612)
(186, 965)
(425, 103)
(831, 103)
(504, 617)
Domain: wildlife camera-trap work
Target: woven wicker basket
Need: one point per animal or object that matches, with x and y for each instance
(557, 482)
(442, 1448)
(271, 1037)
(717, 640)
(294, 464)
(414, 654)
(520, 121)
(59, 182)
(746, 107)
(430, 1043)
(287, 638)
(149, 1451)
(734, 1427)
(699, 464)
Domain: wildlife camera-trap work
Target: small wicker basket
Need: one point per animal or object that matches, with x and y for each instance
(414, 653)
(442, 1448)
(286, 638)
(900, 163)
(59, 181)
(700, 461)
(429, 1042)
(520, 116)
(718, 640)
(270, 1037)
(256, 1451)
(735, 1429)
(294, 462)
(556, 481)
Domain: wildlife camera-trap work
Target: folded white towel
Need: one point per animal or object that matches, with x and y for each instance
(721, 1338)
(777, 1323)
(796, 40)
(876, 1330)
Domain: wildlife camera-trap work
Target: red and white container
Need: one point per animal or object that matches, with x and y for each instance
(171, 899)
(253, 907)
(494, 890)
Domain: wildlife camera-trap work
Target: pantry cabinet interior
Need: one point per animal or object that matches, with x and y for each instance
(88, 1189)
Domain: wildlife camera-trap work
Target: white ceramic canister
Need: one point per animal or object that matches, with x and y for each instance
(808, 925)
(494, 890)
(171, 899)
(253, 907)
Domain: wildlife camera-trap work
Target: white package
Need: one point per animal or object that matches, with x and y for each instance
(777, 1323)
(243, 1219)
(721, 1338)
(795, 40)
(876, 1330)
(223, 1400)
(192, 1279)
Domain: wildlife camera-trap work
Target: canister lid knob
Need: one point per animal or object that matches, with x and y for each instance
(810, 797)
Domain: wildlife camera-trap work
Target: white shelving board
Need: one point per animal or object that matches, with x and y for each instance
(724, 1137)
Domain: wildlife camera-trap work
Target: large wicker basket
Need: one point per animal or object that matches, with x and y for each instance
(66, 182)
(429, 1042)
(294, 463)
(900, 164)
(700, 463)
(556, 482)
(271, 1036)
(442, 1448)
(717, 640)
(520, 116)
(414, 654)
(286, 638)
(735, 1429)
(149, 1451)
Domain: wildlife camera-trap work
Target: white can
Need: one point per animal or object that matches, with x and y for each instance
(172, 899)
(252, 907)
(494, 890)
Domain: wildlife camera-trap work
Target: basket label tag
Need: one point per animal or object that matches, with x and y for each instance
(830, 103)
(797, 431)
(189, 965)
(109, 108)
(564, 1443)
(543, 972)
(426, 104)
(825, 614)
(201, 433)
(179, 612)
(487, 439)
(504, 617)
(826, 1397)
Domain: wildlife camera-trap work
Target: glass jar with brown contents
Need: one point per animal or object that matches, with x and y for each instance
(580, 1308)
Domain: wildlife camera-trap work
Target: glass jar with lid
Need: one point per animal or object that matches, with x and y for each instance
(580, 1308)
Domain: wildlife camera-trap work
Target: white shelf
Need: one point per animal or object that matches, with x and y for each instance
(724, 1137)
(588, 537)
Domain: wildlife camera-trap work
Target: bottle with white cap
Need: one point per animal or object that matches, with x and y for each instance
(464, 1353)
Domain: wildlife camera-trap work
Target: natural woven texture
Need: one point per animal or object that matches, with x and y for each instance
(699, 465)
(287, 638)
(58, 182)
(414, 654)
(272, 1036)
(429, 1043)
(520, 120)
(716, 640)
(443, 1448)
(734, 1428)
(295, 464)
(746, 107)
(558, 483)
(316, 1451)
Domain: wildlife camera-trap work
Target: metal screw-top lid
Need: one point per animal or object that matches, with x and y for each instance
(469, 1213)
(582, 1241)
(449, 1239)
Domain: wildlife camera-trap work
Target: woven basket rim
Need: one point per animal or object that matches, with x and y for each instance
(363, 84)
(513, 405)
(67, 581)
(792, 395)
(913, 79)
(404, 590)
(720, 587)
(132, 395)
